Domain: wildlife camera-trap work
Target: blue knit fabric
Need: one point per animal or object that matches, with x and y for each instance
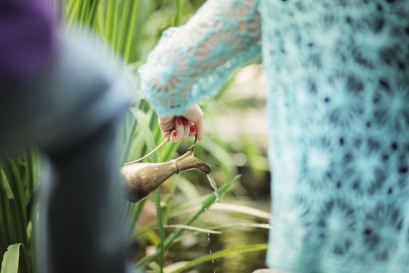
(338, 104)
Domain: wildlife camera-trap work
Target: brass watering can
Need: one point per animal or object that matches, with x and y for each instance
(143, 178)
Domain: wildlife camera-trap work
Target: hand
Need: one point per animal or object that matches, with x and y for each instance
(180, 127)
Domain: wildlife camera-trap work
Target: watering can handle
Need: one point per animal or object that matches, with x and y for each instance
(193, 145)
(157, 148)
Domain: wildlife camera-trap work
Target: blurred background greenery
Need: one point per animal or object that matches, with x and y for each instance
(179, 228)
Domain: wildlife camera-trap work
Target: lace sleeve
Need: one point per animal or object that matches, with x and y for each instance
(195, 60)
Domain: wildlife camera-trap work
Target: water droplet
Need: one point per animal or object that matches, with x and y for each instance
(214, 186)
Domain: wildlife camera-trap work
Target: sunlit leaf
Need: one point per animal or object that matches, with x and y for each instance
(203, 230)
(243, 209)
(11, 259)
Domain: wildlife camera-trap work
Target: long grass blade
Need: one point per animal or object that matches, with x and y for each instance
(134, 211)
(216, 255)
(144, 127)
(160, 229)
(202, 230)
(244, 225)
(178, 13)
(244, 210)
(131, 31)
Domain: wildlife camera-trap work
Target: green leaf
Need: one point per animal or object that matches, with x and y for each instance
(243, 210)
(178, 13)
(134, 211)
(144, 126)
(161, 229)
(11, 259)
(215, 255)
(243, 225)
(204, 230)
(5, 185)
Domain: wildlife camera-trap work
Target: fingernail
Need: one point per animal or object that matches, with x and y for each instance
(192, 129)
(179, 121)
(185, 122)
(175, 133)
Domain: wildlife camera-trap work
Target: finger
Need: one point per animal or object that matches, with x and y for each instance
(179, 132)
(166, 125)
(167, 122)
(186, 125)
(174, 136)
(180, 128)
(186, 132)
(199, 128)
(165, 134)
(192, 130)
(185, 121)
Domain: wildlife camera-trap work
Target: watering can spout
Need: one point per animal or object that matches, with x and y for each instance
(188, 161)
(143, 178)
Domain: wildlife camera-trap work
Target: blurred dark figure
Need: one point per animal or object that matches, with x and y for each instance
(59, 93)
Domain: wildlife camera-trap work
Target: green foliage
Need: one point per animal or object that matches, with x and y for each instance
(170, 240)
(18, 178)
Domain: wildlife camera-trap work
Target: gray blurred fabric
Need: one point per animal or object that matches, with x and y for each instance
(71, 112)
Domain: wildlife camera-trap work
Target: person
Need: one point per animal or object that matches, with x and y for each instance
(338, 94)
(61, 95)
